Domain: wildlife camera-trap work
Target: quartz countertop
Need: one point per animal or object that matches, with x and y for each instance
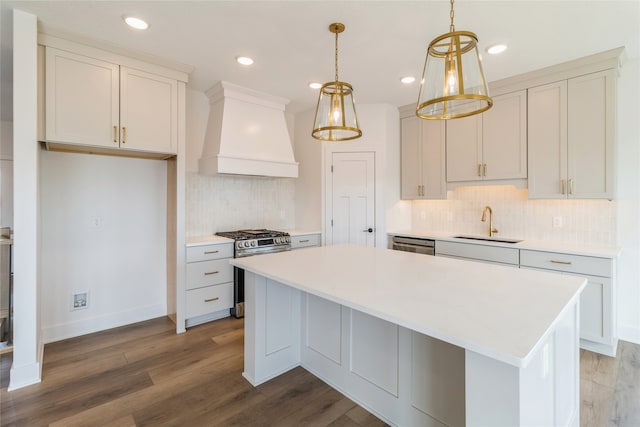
(602, 251)
(211, 239)
(500, 312)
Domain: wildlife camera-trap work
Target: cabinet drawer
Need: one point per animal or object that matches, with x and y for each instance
(205, 273)
(579, 264)
(479, 252)
(209, 252)
(209, 300)
(305, 241)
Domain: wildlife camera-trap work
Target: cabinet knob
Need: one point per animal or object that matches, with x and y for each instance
(368, 230)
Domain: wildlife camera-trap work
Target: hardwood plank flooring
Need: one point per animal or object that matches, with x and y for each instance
(146, 375)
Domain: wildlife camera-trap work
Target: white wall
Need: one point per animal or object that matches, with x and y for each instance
(226, 202)
(628, 199)
(103, 228)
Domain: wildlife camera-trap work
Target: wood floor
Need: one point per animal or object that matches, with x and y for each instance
(146, 375)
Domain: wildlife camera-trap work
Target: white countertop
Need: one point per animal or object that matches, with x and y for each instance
(211, 239)
(500, 312)
(602, 251)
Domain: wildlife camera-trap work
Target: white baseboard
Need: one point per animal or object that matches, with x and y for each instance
(101, 323)
(629, 333)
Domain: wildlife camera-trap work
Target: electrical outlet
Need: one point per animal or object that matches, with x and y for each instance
(557, 222)
(79, 301)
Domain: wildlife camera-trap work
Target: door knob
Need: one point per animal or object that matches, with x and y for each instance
(368, 230)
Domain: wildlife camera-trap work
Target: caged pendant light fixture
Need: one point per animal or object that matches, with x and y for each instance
(336, 118)
(453, 84)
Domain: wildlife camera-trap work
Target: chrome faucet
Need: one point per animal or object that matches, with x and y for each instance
(492, 229)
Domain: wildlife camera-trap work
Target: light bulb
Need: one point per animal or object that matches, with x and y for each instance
(336, 110)
(452, 78)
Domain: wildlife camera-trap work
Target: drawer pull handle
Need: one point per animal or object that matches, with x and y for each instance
(210, 252)
(560, 262)
(304, 241)
(124, 135)
(212, 299)
(209, 273)
(115, 134)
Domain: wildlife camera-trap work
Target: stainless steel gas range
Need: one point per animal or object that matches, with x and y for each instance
(248, 243)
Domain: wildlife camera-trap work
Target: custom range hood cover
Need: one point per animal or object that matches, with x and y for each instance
(246, 134)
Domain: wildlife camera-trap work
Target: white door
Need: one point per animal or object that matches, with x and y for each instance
(352, 213)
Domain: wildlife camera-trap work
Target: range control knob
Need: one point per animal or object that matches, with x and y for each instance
(254, 243)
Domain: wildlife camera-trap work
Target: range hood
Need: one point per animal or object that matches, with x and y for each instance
(246, 134)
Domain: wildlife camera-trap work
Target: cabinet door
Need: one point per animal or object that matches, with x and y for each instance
(423, 159)
(410, 158)
(591, 135)
(504, 137)
(595, 310)
(547, 141)
(148, 112)
(81, 99)
(433, 143)
(464, 149)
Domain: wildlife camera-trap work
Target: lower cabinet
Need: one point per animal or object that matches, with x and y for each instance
(474, 252)
(597, 302)
(299, 241)
(209, 288)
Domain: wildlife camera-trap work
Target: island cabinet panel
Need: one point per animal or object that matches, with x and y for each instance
(324, 328)
(377, 365)
(437, 382)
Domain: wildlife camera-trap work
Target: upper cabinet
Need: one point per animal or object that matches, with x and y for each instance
(491, 145)
(571, 137)
(422, 158)
(94, 102)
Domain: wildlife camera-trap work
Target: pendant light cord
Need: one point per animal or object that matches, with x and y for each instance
(336, 55)
(451, 26)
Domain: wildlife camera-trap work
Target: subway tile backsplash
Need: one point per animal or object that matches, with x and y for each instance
(223, 203)
(514, 215)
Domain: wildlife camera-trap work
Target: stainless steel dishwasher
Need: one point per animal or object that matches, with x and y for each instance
(414, 244)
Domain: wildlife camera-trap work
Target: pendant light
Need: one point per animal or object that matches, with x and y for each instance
(453, 84)
(336, 118)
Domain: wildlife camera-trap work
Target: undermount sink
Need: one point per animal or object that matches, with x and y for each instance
(488, 239)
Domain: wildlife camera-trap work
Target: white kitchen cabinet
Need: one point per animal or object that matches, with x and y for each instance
(491, 145)
(91, 102)
(306, 240)
(422, 158)
(571, 137)
(209, 284)
(475, 252)
(598, 330)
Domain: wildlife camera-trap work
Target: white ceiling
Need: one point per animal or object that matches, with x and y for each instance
(383, 41)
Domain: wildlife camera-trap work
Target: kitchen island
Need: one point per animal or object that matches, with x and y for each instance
(418, 340)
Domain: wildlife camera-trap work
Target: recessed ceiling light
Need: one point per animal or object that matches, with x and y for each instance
(244, 60)
(136, 23)
(315, 85)
(408, 80)
(496, 49)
